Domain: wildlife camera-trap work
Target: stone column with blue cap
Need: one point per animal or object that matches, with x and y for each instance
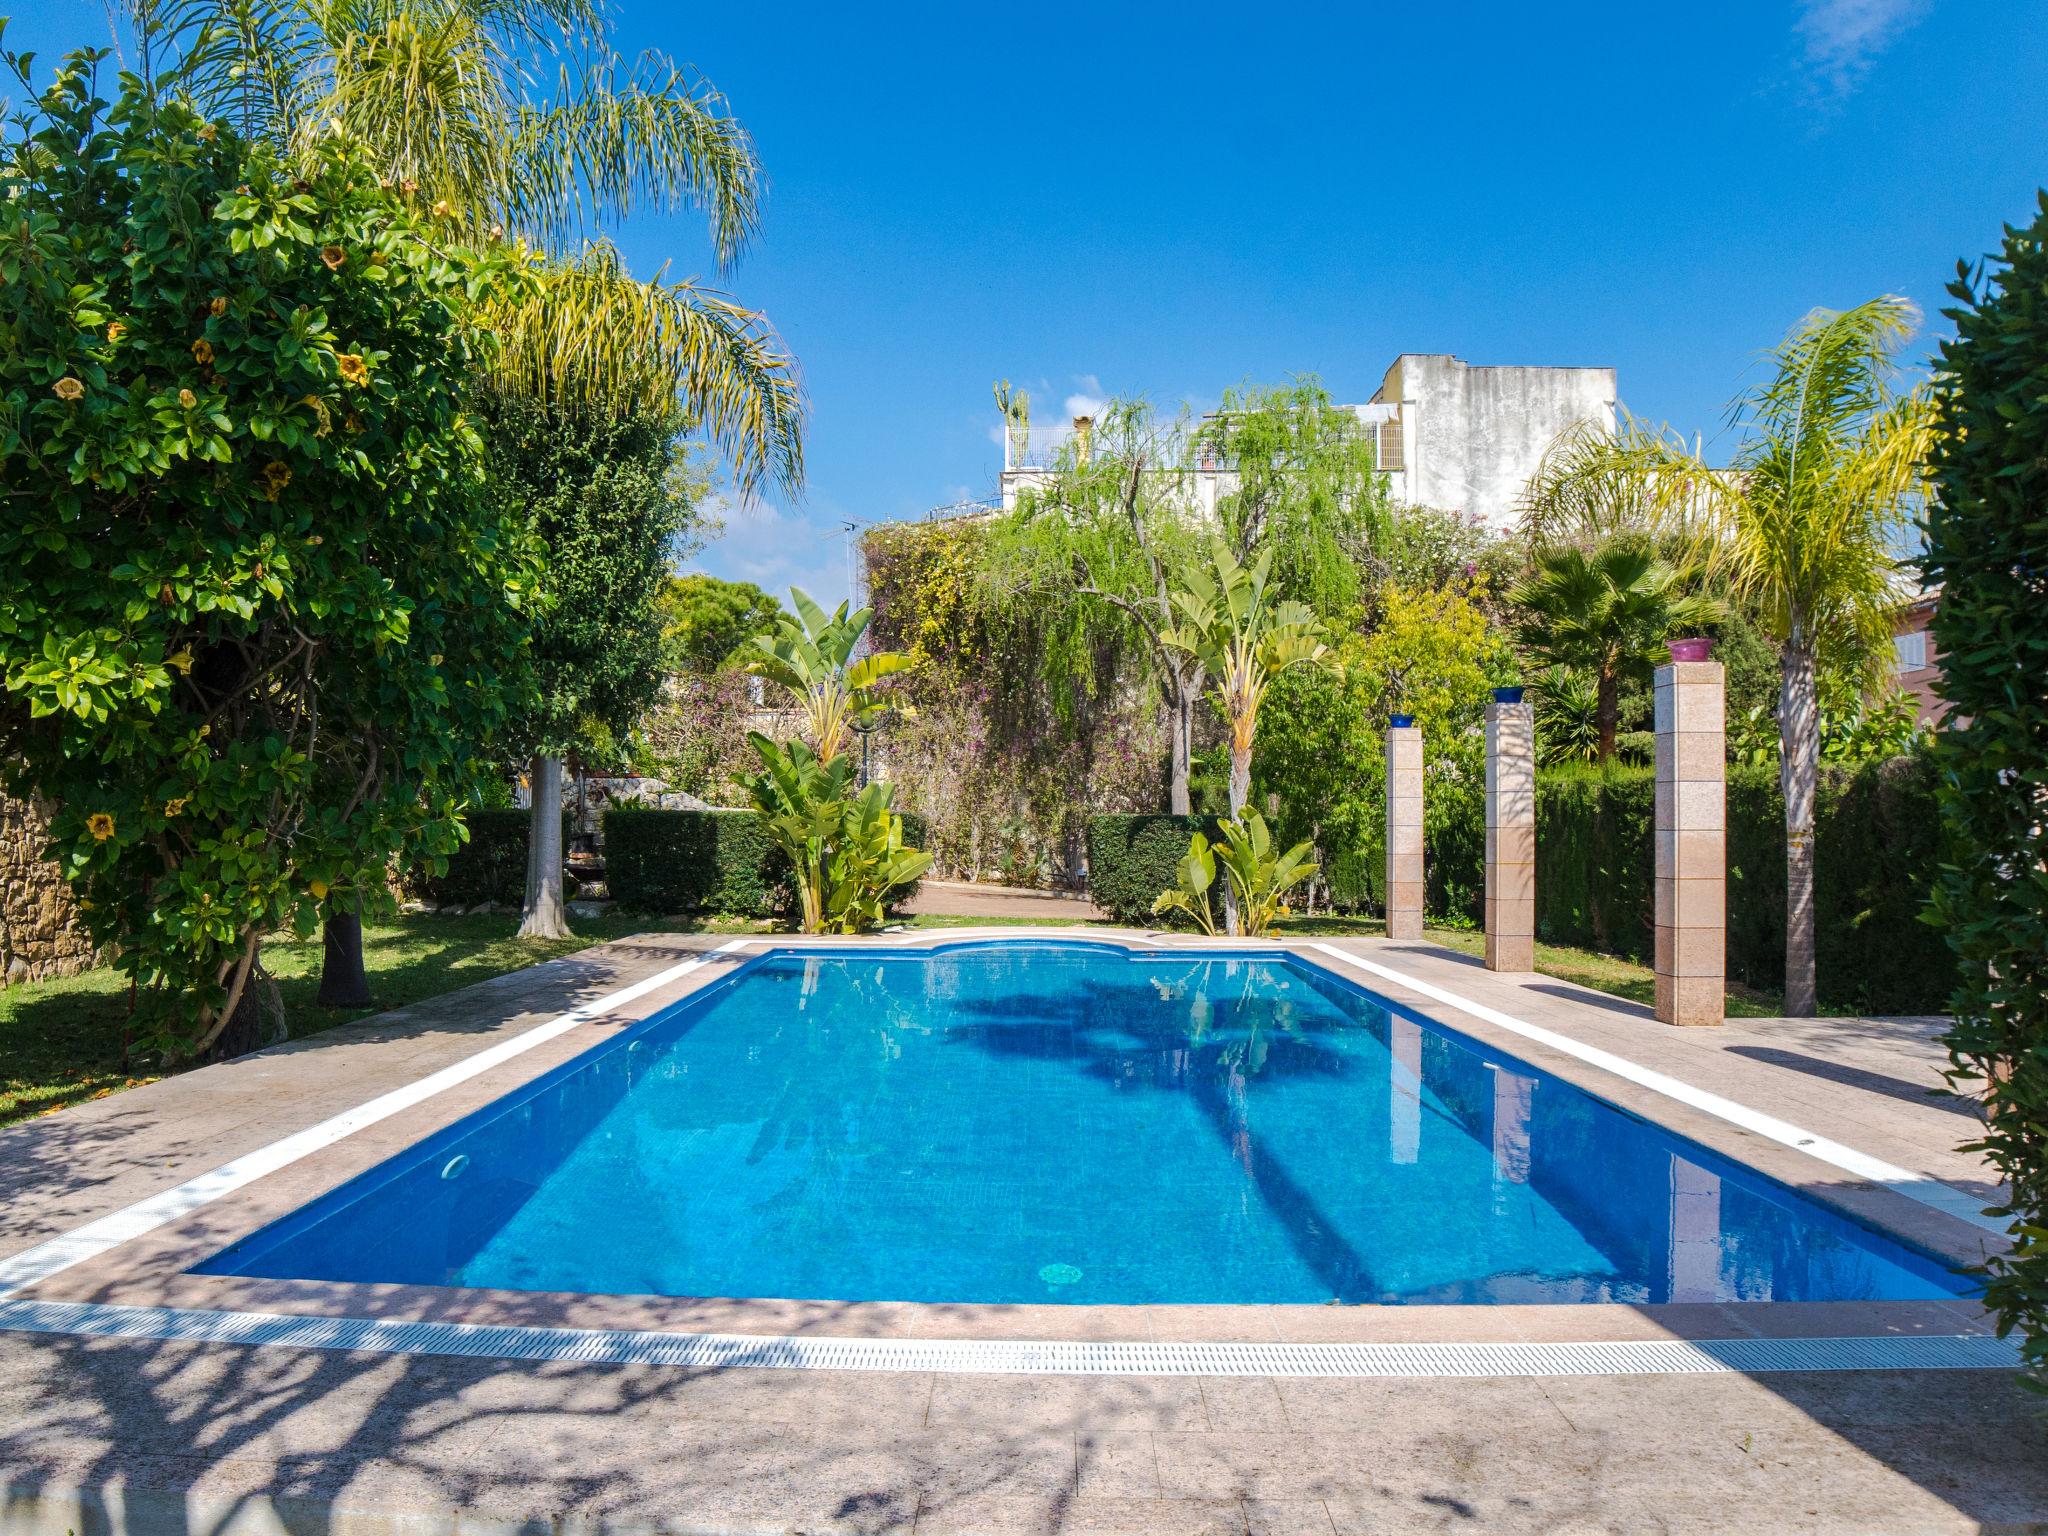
(1404, 828)
(1690, 907)
(1510, 832)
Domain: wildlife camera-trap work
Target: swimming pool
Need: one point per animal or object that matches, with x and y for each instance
(1070, 1122)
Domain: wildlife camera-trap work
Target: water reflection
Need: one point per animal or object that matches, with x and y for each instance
(1165, 1129)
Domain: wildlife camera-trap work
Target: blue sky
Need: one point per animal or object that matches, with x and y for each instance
(1171, 198)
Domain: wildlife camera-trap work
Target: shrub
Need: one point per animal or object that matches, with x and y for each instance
(1986, 530)
(721, 862)
(491, 866)
(1132, 859)
(255, 612)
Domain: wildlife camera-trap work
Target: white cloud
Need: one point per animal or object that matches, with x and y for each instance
(1841, 38)
(1084, 405)
(777, 550)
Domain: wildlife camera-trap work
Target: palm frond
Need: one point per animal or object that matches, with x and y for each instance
(616, 139)
(585, 332)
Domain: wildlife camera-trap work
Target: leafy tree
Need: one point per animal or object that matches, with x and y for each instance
(254, 609)
(705, 620)
(811, 657)
(609, 497)
(1606, 612)
(1304, 482)
(1806, 528)
(1986, 532)
(447, 99)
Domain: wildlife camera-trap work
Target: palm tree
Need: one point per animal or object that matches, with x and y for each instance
(1808, 524)
(1243, 640)
(515, 120)
(1606, 614)
(811, 658)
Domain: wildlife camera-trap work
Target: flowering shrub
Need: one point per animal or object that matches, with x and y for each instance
(254, 613)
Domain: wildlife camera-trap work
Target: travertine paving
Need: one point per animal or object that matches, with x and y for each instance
(188, 1437)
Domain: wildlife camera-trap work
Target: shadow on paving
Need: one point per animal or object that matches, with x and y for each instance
(190, 1440)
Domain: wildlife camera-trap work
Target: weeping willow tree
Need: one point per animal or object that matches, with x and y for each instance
(1807, 525)
(517, 126)
(1126, 516)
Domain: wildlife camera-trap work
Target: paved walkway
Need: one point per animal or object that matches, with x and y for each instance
(958, 898)
(187, 1437)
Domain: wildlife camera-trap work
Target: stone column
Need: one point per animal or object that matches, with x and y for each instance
(1510, 832)
(1691, 912)
(1404, 829)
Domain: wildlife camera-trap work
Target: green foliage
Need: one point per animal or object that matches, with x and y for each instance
(607, 497)
(845, 850)
(1194, 874)
(810, 657)
(1131, 859)
(1605, 613)
(1878, 847)
(705, 621)
(1567, 716)
(254, 609)
(1308, 488)
(1986, 534)
(489, 866)
(1260, 874)
(725, 863)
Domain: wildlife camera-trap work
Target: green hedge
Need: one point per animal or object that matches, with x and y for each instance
(491, 866)
(1131, 860)
(705, 861)
(1877, 849)
(1878, 846)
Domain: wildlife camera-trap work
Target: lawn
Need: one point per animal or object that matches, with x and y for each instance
(63, 1042)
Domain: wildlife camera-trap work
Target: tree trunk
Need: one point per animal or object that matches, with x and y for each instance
(544, 917)
(1182, 709)
(343, 983)
(1799, 778)
(1240, 791)
(1608, 711)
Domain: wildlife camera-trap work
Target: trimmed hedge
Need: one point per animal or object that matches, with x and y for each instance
(1878, 849)
(491, 866)
(1131, 860)
(677, 862)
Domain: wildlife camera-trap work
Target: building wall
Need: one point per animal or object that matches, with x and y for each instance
(39, 931)
(1472, 436)
(1918, 681)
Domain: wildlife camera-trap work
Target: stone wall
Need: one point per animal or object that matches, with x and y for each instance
(39, 931)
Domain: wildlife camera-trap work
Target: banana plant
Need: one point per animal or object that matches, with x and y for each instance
(1259, 876)
(868, 862)
(1193, 876)
(802, 802)
(810, 657)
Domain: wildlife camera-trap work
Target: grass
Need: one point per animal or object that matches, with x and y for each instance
(63, 1042)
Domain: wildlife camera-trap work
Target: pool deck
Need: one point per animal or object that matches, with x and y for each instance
(194, 1434)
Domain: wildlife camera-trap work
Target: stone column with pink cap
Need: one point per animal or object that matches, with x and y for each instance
(1691, 895)
(1404, 828)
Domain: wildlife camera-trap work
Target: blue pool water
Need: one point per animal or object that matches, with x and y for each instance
(1015, 1122)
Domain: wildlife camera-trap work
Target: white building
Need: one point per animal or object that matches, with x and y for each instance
(1448, 434)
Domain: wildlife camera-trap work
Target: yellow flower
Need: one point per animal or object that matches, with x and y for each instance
(182, 660)
(408, 186)
(272, 481)
(68, 388)
(207, 132)
(332, 257)
(319, 890)
(376, 258)
(218, 306)
(174, 807)
(441, 208)
(497, 231)
(100, 825)
(319, 411)
(202, 351)
(187, 399)
(116, 330)
(353, 368)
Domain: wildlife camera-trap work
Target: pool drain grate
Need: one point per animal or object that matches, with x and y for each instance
(722, 1351)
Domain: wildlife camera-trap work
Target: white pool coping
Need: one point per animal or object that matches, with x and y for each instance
(789, 1352)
